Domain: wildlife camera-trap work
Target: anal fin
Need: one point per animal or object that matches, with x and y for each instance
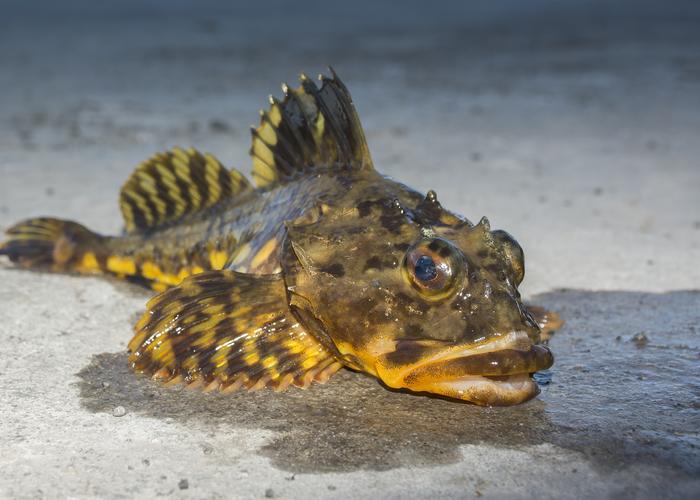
(226, 330)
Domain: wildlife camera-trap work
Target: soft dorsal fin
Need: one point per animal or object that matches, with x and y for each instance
(310, 128)
(174, 183)
(227, 330)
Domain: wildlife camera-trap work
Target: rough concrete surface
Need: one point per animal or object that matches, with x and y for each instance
(573, 125)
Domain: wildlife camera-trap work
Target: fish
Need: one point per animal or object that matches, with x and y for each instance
(320, 263)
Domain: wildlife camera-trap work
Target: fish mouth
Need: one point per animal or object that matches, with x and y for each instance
(493, 373)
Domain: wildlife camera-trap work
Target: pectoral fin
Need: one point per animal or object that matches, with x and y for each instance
(226, 330)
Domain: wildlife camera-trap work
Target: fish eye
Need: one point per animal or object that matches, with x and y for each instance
(432, 267)
(425, 269)
(513, 253)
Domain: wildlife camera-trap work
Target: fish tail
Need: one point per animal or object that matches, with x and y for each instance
(56, 244)
(65, 246)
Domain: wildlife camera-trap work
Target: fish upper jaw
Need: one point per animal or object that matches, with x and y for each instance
(493, 373)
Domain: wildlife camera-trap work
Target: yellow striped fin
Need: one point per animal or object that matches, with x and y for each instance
(172, 184)
(309, 129)
(56, 244)
(228, 330)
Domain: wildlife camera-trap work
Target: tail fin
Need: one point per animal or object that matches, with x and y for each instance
(53, 243)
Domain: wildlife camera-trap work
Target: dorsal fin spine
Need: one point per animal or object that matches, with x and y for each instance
(298, 132)
(280, 162)
(347, 105)
(267, 129)
(274, 117)
(310, 129)
(310, 87)
(262, 150)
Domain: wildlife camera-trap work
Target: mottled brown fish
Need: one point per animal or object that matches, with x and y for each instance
(324, 263)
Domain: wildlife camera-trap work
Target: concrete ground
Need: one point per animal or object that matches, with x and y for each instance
(573, 125)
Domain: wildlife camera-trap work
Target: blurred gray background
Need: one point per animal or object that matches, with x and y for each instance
(572, 124)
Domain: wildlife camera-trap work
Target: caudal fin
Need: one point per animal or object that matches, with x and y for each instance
(52, 243)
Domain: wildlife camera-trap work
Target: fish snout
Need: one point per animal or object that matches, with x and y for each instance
(493, 373)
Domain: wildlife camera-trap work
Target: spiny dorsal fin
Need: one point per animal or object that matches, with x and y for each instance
(310, 128)
(169, 185)
(227, 330)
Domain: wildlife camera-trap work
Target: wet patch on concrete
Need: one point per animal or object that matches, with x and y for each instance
(609, 397)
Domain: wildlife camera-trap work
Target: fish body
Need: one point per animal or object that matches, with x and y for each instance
(324, 263)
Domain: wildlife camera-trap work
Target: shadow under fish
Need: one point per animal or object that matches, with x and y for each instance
(610, 400)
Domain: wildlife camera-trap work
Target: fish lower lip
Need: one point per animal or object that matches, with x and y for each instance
(488, 391)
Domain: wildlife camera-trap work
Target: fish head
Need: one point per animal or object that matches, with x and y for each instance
(418, 297)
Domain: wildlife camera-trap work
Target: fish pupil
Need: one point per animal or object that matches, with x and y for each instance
(425, 268)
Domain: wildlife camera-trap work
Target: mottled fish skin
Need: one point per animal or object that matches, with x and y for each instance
(349, 280)
(325, 263)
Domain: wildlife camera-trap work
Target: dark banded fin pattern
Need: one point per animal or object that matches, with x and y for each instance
(172, 184)
(226, 330)
(55, 244)
(310, 128)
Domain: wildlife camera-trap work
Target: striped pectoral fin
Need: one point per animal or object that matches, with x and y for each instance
(226, 330)
(172, 184)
